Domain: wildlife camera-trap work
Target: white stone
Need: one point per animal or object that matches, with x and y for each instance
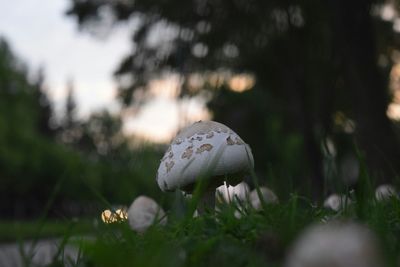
(335, 244)
(336, 202)
(385, 192)
(145, 212)
(268, 197)
(39, 253)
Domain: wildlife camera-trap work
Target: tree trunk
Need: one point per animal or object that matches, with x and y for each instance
(355, 44)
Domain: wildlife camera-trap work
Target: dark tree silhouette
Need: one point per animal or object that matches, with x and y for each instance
(355, 40)
(70, 107)
(45, 121)
(312, 58)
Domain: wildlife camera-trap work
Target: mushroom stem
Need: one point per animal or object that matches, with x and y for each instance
(227, 192)
(207, 201)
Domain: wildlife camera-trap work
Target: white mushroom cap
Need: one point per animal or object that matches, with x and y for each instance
(385, 192)
(336, 202)
(204, 148)
(268, 197)
(144, 212)
(335, 244)
(229, 193)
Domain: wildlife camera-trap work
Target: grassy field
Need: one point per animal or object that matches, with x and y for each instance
(257, 238)
(13, 231)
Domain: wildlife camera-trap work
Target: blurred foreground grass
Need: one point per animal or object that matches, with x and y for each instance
(257, 238)
(13, 231)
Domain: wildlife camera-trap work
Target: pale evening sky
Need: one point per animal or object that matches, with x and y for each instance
(42, 36)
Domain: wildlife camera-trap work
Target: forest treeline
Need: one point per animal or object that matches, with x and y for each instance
(61, 166)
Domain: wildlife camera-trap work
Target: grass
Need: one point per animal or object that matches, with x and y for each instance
(216, 238)
(12, 231)
(219, 238)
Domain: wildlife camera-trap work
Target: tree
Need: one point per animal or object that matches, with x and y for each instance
(313, 58)
(70, 107)
(70, 129)
(46, 125)
(357, 52)
(101, 134)
(39, 174)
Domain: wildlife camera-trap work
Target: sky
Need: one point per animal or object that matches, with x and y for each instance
(42, 36)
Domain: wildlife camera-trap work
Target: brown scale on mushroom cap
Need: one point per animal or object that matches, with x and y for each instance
(167, 154)
(229, 141)
(169, 165)
(204, 147)
(201, 127)
(188, 152)
(239, 141)
(210, 135)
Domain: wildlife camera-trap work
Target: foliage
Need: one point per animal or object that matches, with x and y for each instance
(11, 231)
(35, 168)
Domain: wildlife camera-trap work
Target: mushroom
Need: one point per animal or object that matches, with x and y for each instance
(229, 193)
(335, 244)
(145, 212)
(267, 195)
(238, 194)
(385, 192)
(114, 215)
(336, 202)
(207, 152)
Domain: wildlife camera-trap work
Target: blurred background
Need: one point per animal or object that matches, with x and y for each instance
(93, 91)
